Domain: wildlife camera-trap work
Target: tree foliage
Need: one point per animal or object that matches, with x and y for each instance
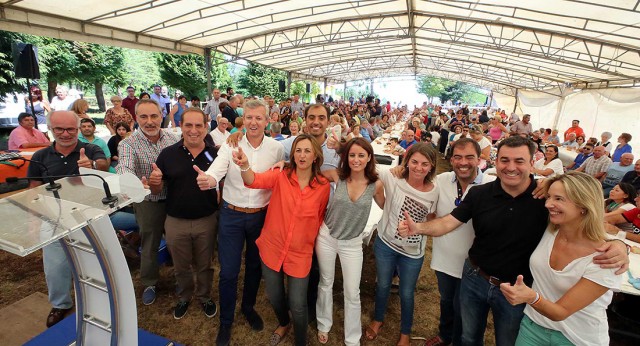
(261, 80)
(141, 70)
(448, 90)
(300, 88)
(183, 72)
(433, 86)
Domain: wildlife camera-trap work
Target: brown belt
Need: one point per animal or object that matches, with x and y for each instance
(492, 279)
(246, 210)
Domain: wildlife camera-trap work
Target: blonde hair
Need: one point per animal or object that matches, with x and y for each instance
(115, 98)
(586, 193)
(80, 106)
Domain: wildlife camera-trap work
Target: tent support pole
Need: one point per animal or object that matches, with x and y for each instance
(289, 84)
(558, 113)
(515, 105)
(207, 64)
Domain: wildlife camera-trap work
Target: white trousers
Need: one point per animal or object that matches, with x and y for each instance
(350, 252)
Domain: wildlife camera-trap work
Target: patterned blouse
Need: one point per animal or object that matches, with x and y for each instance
(112, 118)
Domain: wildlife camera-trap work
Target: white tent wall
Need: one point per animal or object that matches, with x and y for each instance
(599, 110)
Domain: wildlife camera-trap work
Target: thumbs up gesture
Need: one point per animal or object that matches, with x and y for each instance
(205, 182)
(155, 178)
(407, 227)
(240, 159)
(145, 183)
(518, 293)
(84, 161)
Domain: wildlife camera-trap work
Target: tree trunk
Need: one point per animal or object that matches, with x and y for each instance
(51, 89)
(100, 97)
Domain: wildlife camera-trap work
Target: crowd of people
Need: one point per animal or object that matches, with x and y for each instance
(292, 185)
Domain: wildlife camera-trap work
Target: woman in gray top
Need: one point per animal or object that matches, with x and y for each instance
(341, 234)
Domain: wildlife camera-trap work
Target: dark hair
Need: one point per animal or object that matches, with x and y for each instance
(142, 94)
(23, 115)
(463, 142)
(629, 190)
(316, 174)
(119, 125)
(222, 105)
(316, 105)
(427, 151)
(88, 120)
(344, 171)
(517, 141)
(547, 131)
(626, 137)
(181, 97)
(195, 98)
(554, 148)
(130, 87)
(36, 92)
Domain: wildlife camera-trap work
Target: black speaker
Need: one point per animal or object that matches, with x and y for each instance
(282, 86)
(25, 60)
(308, 88)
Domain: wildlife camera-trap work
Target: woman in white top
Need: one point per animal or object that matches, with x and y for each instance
(551, 165)
(416, 195)
(485, 145)
(568, 299)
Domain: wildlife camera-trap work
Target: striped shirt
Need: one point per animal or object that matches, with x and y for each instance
(137, 153)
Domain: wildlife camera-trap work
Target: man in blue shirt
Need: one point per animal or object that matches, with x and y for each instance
(586, 153)
(410, 135)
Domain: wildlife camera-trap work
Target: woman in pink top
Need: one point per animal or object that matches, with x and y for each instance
(496, 129)
(25, 135)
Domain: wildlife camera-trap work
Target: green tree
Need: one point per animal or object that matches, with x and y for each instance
(300, 88)
(100, 65)
(433, 86)
(260, 80)
(462, 92)
(141, 69)
(8, 82)
(183, 72)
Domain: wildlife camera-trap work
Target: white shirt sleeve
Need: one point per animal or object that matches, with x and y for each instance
(220, 165)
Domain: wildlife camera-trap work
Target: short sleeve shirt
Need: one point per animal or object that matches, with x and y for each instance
(58, 164)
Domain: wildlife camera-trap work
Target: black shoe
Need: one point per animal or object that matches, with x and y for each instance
(255, 321)
(209, 308)
(56, 315)
(224, 336)
(180, 310)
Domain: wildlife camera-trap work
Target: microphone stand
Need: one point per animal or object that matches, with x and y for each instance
(108, 199)
(53, 186)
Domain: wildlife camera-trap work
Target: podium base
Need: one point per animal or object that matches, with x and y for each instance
(64, 333)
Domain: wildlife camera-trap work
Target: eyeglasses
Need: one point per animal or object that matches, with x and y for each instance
(61, 130)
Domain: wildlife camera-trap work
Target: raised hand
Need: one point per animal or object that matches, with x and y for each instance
(278, 165)
(333, 142)
(84, 161)
(234, 138)
(407, 227)
(240, 159)
(517, 293)
(155, 178)
(205, 182)
(397, 171)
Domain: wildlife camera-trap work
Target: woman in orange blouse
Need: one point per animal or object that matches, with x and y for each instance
(296, 210)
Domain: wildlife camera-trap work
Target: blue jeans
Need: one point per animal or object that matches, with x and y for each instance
(124, 221)
(477, 296)
(57, 271)
(236, 229)
(450, 320)
(409, 268)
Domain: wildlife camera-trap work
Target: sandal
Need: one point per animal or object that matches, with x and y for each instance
(277, 338)
(436, 341)
(371, 334)
(323, 337)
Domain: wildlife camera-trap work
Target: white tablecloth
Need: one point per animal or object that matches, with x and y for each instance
(634, 268)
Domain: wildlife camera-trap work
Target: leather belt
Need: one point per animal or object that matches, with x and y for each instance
(492, 279)
(246, 210)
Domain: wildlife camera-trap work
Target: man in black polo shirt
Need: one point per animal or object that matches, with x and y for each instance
(191, 213)
(508, 223)
(63, 157)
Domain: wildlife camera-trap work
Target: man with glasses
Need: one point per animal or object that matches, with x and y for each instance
(129, 102)
(136, 154)
(63, 157)
(586, 153)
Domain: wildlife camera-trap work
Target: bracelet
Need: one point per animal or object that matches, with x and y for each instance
(536, 300)
(246, 169)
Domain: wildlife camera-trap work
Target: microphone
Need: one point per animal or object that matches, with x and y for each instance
(108, 199)
(16, 156)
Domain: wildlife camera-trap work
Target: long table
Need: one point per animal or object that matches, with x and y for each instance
(634, 268)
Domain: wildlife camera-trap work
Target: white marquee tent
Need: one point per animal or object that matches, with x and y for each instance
(554, 59)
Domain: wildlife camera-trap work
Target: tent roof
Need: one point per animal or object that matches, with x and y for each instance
(495, 44)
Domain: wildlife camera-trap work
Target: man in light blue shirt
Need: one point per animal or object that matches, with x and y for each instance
(163, 101)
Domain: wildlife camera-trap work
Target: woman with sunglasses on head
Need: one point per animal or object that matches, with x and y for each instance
(40, 106)
(416, 195)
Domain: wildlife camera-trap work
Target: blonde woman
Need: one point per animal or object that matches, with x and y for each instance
(80, 107)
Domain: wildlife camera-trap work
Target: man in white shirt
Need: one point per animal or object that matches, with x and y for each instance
(297, 105)
(241, 218)
(220, 133)
(213, 106)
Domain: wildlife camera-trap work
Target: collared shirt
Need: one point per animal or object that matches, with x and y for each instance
(137, 153)
(218, 137)
(593, 166)
(405, 145)
(580, 159)
(162, 101)
(507, 229)
(450, 250)
(278, 137)
(20, 136)
(185, 200)
(521, 128)
(331, 158)
(102, 144)
(297, 106)
(58, 164)
(213, 107)
(292, 222)
(261, 159)
(130, 105)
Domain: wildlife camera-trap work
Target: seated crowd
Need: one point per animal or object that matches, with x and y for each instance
(292, 185)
